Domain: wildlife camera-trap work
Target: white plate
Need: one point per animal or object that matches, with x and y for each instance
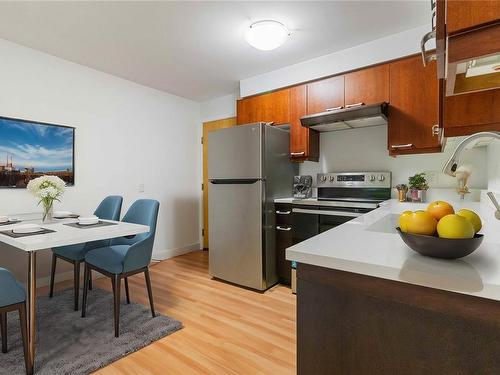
(27, 228)
(62, 214)
(88, 222)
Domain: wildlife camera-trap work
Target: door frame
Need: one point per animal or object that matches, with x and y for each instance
(207, 127)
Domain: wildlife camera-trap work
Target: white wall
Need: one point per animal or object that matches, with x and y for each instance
(366, 149)
(218, 108)
(494, 166)
(376, 51)
(126, 135)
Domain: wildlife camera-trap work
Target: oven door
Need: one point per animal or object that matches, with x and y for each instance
(310, 221)
(305, 223)
(329, 218)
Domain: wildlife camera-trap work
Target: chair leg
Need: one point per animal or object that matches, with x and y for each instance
(52, 274)
(3, 318)
(150, 291)
(116, 293)
(24, 333)
(126, 290)
(90, 279)
(86, 273)
(76, 282)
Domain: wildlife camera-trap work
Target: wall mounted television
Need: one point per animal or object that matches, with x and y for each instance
(30, 149)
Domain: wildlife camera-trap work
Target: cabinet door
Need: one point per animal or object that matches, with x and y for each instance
(367, 86)
(471, 113)
(270, 107)
(414, 107)
(304, 142)
(466, 14)
(325, 94)
(283, 240)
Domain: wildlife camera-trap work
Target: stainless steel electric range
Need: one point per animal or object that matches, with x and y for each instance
(341, 197)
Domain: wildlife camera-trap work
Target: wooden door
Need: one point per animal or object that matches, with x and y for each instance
(207, 128)
(325, 95)
(367, 86)
(414, 107)
(270, 107)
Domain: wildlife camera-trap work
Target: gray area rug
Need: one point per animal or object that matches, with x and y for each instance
(68, 344)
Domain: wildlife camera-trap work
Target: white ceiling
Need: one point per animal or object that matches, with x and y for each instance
(196, 49)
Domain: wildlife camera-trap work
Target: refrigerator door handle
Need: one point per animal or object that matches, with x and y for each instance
(235, 181)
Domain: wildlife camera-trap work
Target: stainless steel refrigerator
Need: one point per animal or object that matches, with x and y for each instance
(248, 167)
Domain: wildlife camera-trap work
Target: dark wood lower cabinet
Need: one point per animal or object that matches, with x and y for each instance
(284, 267)
(353, 324)
(283, 233)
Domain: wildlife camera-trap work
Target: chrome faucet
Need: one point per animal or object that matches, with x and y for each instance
(451, 166)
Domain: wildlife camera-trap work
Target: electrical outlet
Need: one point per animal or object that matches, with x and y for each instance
(141, 188)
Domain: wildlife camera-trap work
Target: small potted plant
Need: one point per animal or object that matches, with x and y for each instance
(418, 186)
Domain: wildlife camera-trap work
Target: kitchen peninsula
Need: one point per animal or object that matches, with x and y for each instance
(367, 304)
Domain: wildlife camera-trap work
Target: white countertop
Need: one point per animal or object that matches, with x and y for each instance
(370, 245)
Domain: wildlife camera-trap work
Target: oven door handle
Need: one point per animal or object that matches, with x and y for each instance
(326, 212)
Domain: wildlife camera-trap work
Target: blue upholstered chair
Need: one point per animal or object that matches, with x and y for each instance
(125, 256)
(12, 298)
(109, 209)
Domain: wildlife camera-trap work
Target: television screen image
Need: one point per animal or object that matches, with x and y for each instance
(31, 149)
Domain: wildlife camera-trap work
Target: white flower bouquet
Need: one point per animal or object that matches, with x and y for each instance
(48, 189)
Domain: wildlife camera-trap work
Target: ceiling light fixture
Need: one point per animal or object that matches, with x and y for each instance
(266, 35)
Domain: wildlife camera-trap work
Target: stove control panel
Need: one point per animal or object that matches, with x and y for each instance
(355, 179)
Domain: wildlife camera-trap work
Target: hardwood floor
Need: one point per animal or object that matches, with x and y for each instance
(227, 330)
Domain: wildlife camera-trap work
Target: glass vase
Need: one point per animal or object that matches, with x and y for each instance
(48, 211)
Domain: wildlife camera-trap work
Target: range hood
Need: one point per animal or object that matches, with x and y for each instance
(353, 117)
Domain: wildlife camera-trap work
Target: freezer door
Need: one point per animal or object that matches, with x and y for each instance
(235, 152)
(235, 232)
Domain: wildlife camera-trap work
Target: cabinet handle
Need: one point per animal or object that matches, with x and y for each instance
(302, 153)
(408, 145)
(354, 105)
(334, 108)
(425, 39)
(435, 130)
(284, 229)
(283, 212)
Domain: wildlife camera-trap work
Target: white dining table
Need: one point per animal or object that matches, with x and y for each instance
(63, 235)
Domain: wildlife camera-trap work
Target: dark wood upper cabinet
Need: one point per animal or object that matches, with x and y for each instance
(325, 95)
(462, 15)
(471, 113)
(304, 142)
(270, 107)
(414, 107)
(367, 86)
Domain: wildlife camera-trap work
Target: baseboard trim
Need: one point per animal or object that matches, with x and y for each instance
(64, 276)
(170, 253)
(59, 277)
(158, 255)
